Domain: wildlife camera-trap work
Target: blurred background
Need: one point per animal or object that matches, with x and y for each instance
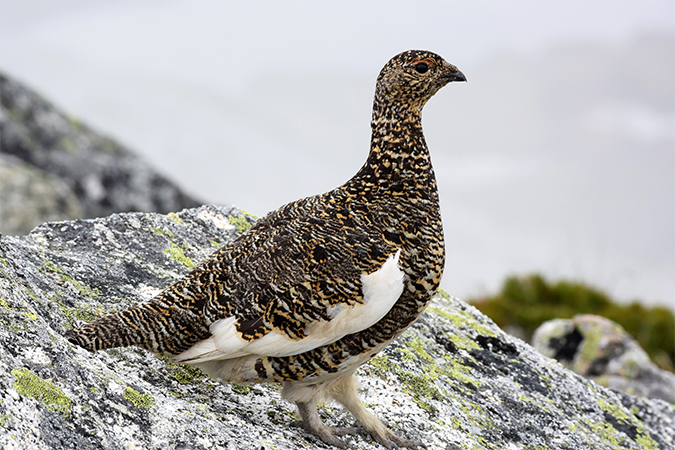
(557, 157)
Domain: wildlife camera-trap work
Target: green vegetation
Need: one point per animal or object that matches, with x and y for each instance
(530, 300)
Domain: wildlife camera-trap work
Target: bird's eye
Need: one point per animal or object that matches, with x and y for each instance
(421, 66)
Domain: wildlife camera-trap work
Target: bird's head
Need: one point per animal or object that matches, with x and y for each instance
(413, 77)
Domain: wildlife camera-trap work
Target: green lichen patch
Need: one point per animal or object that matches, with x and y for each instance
(461, 319)
(183, 373)
(457, 371)
(177, 254)
(51, 396)
(175, 217)
(76, 315)
(5, 305)
(627, 420)
(605, 432)
(442, 293)
(63, 278)
(139, 400)
(241, 388)
(646, 441)
(381, 365)
(421, 387)
(163, 232)
(417, 346)
(243, 223)
(240, 223)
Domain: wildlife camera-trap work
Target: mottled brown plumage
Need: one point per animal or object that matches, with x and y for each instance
(275, 303)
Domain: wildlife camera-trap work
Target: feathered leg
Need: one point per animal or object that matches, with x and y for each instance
(345, 392)
(311, 422)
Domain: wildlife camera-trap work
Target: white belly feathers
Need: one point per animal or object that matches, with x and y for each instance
(381, 289)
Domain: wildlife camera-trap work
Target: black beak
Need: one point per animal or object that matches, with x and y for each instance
(454, 76)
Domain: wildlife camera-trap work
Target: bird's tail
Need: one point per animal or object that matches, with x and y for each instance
(151, 326)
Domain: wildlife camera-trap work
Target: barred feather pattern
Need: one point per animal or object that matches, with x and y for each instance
(293, 265)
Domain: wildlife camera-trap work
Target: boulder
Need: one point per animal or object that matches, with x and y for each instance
(92, 175)
(30, 196)
(601, 350)
(453, 380)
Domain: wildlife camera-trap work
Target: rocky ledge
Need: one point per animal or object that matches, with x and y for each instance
(454, 380)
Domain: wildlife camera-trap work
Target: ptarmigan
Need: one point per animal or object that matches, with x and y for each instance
(316, 288)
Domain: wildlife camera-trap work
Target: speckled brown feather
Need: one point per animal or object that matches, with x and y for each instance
(295, 263)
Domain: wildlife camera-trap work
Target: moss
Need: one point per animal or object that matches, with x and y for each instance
(175, 217)
(176, 254)
(139, 400)
(51, 396)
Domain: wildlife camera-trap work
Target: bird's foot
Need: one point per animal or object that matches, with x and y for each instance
(327, 434)
(392, 441)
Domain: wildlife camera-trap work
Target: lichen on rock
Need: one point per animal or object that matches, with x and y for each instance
(453, 380)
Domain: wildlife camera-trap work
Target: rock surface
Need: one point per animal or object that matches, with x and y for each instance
(30, 196)
(454, 380)
(602, 351)
(84, 173)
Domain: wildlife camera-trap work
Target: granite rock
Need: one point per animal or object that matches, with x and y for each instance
(453, 380)
(95, 175)
(601, 350)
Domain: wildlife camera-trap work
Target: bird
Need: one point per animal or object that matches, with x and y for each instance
(316, 288)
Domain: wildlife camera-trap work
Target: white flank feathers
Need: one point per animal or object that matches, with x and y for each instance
(381, 289)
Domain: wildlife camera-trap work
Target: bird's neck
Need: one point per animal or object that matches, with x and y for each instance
(399, 157)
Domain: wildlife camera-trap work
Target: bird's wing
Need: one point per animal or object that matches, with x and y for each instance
(294, 286)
